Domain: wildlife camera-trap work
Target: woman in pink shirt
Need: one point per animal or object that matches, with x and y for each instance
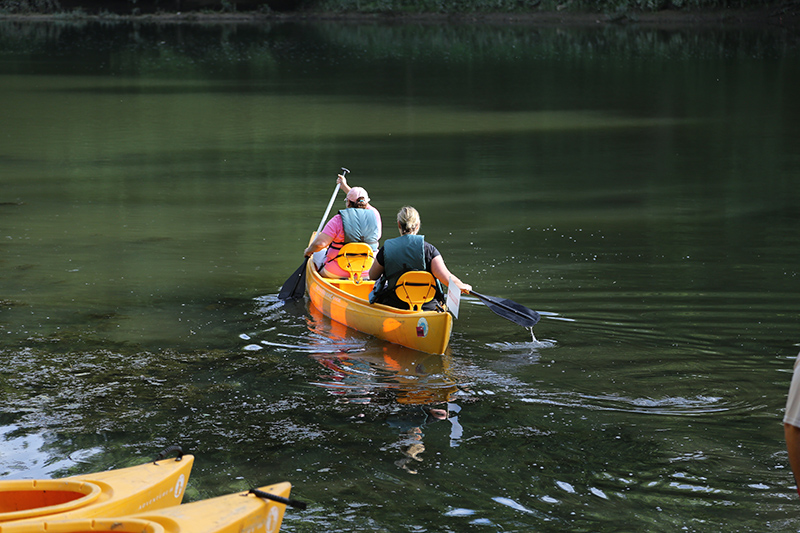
(358, 222)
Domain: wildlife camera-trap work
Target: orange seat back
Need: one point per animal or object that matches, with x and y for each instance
(416, 287)
(355, 258)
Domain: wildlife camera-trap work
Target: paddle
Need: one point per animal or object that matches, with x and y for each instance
(510, 310)
(279, 499)
(295, 286)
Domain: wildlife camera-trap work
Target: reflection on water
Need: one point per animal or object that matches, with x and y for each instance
(414, 389)
(25, 455)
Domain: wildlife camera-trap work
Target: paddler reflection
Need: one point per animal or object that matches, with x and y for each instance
(408, 389)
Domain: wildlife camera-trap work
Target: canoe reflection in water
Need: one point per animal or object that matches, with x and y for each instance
(410, 388)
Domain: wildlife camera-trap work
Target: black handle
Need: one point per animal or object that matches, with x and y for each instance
(169, 450)
(279, 499)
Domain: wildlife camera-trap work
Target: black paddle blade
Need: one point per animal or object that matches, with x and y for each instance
(510, 310)
(295, 286)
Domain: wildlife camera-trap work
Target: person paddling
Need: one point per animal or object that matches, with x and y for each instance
(408, 252)
(358, 222)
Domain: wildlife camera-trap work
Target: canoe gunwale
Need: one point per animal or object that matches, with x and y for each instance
(83, 493)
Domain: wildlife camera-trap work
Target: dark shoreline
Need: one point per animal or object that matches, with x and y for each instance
(763, 18)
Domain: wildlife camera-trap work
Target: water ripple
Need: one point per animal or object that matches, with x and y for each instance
(668, 405)
(521, 346)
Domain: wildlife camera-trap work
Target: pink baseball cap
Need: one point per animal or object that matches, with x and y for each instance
(357, 192)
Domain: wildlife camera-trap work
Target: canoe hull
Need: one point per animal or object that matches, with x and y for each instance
(232, 513)
(112, 493)
(346, 303)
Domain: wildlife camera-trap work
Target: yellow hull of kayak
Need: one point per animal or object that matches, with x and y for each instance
(233, 513)
(346, 303)
(112, 493)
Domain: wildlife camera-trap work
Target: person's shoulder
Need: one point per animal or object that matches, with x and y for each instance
(335, 222)
(431, 249)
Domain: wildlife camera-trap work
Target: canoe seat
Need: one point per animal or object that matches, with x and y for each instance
(416, 287)
(355, 258)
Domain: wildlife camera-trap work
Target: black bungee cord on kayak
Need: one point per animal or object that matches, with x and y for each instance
(168, 450)
(279, 499)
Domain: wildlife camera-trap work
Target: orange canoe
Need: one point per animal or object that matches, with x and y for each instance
(346, 302)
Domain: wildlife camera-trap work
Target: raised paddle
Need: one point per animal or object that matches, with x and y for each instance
(330, 204)
(510, 310)
(295, 286)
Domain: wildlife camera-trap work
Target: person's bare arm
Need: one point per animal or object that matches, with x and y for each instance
(375, 270)
(322, 241)
(342, 181)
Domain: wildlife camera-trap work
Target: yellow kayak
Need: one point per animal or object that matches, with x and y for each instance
(345, 301)
(113, 493)
(233, 513)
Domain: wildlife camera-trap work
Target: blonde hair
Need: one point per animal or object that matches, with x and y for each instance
(408, 219)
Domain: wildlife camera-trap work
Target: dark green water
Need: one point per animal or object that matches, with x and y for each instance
(637, 187)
